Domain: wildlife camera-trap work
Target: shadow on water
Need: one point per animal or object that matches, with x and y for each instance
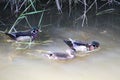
(99, 65)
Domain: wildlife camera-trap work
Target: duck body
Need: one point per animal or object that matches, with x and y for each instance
(23, 36)
(60, 55)
(82, 46)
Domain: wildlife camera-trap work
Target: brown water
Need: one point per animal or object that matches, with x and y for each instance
(30, 65)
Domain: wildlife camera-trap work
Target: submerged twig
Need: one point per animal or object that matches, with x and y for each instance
(91, 6)
(70, 2)
(13, 26)
(39, 24)
(28, 22)
(106, 11)
(58, 6)
(22, 4)
(84, 15)
(24, 15)
(110, 2)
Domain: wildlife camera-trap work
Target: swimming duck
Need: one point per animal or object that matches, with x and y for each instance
(24, 36)
(69, 54)
(82, 46)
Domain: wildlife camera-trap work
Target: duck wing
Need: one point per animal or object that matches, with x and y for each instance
(15, 35)
(61, 55)
(18, 34)
(69, 43)
(79, 43)
(11, 35)
(75, 43)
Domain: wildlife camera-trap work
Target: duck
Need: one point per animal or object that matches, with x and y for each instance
(82, 46)
(69, 54)
(29, 35)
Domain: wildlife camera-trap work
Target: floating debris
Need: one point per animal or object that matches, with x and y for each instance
(107, 11)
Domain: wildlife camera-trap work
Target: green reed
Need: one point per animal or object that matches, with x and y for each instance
(86, 6)
(24, 15)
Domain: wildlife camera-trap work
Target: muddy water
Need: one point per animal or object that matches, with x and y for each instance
(30, 65)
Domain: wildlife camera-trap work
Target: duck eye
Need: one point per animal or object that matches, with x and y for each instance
(51, 54)
(94, 46)
(33, 31)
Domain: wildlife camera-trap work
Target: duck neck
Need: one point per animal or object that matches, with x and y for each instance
(70, 53)
(34, 36)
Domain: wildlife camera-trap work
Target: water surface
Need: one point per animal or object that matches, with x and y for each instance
(100, 65)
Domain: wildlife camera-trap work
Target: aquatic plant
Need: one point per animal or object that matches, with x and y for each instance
(24, 15)
(24, 6)
(21, 9)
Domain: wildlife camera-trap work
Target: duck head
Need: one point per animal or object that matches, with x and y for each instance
(95, 44)
(50, 55)
(35, 31)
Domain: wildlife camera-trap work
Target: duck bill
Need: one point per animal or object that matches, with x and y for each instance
(45, 55)
(39, 30)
